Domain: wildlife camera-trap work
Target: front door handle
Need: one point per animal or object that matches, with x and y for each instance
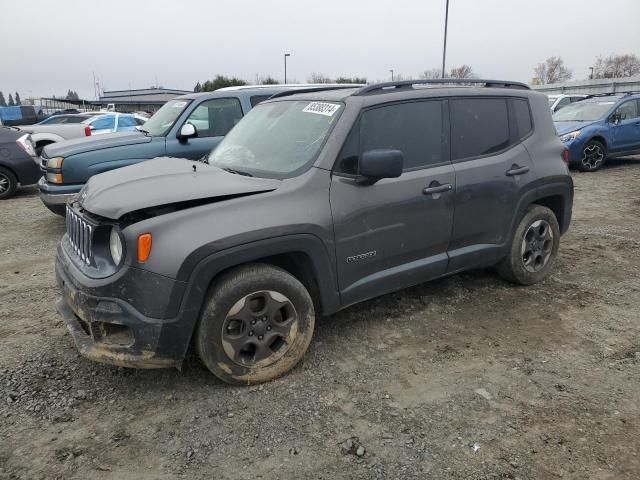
(435, 187)
(517, 170)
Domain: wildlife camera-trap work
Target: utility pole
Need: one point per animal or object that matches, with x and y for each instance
(591, 76)
(391, 74)
(285, 66)
(444, 49)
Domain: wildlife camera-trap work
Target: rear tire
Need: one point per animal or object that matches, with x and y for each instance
(593, 156)
(533, 249)
(257, 324)
(8, 183)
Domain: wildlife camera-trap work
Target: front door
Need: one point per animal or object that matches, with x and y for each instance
(393, 233)
(212, 119)
(626, 133)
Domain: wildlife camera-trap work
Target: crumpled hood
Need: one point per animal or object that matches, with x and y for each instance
(164, 181)
(567, 127)
(96, 142)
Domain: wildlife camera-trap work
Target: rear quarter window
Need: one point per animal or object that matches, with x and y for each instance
(520, 118)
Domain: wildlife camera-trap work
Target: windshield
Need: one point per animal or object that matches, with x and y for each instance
(162, 121)
(583, 112)
(277, 140)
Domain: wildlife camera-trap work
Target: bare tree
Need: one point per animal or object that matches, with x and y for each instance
(432, 73)
(617, 66)
(552, 70)
(464, 71)
(316, 77)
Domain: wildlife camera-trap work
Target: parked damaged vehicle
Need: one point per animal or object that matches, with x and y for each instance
(19, 165)
(600, 127)
(313, 202)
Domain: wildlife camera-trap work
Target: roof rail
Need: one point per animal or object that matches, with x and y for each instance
(286, 93)
(442, 81)
(610, 94)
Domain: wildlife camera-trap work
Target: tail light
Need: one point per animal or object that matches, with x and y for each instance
(87, 131)
(565, 156)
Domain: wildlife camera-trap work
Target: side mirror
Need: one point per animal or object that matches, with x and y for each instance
(381, 163)
(615, 118)
(187, 131)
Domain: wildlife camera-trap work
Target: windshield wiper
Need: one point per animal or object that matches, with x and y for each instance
(146, 132)
(237, 172)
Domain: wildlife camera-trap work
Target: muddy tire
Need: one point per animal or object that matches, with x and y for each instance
(533, 249)
(256, 325)
(593, 156)
(8, 183)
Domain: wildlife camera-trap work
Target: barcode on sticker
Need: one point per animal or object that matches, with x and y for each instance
(321, 108)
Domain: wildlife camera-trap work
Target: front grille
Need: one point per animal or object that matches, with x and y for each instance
(80, 234)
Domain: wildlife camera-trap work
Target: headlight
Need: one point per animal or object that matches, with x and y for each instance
(55, 162)
(570, 136)
(115, 246)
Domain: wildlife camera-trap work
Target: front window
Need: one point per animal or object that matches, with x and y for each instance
(162, 121)
(277, 140)
(583, 112)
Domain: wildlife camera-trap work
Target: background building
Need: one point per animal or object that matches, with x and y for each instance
(146, 99)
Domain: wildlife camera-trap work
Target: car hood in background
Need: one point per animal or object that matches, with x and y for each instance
(566, 127)
(98, 142)
(164, 181)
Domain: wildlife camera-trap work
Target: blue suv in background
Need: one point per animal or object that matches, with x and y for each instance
(600, 127)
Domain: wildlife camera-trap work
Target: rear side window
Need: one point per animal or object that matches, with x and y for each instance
(256, 99)
(104, 123)
(416, 128)
(479, 126)
(126, 122)
(521, 119)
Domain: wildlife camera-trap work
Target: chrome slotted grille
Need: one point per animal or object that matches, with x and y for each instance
(80, 234)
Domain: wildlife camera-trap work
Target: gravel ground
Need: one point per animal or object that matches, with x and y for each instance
(463, 378)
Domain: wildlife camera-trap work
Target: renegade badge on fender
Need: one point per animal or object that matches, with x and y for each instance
(313, 202)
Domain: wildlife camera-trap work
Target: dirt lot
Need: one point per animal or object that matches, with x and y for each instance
(464, 378)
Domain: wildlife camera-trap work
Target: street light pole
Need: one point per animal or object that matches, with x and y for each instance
(591, 76)
(285, 66)
(391, 74)
(444, 49)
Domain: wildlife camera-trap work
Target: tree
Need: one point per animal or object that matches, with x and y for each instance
(3, 102)
(11, 104)
(617, 66)
(464, 71)
(316, 77)
(552, 70)
(18, 100)
(431, 74)
(72, 95)
(357, 80)
(268, 80)
(197, 88)
(221, 81)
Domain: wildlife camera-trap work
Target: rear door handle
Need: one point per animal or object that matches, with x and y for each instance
(436, 188)
(516, 170)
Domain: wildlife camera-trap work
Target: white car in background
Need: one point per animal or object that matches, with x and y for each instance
(556, 102)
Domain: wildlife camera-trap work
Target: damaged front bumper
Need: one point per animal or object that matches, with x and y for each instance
(108, 329)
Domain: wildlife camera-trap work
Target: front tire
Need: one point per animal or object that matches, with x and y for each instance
(256, 325)
(534, 247)
(8, 183)
(593, 157)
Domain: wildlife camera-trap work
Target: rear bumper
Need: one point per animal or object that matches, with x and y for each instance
(111, 330)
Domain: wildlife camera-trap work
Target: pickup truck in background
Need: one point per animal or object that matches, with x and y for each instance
(43, 135)
(18, 115)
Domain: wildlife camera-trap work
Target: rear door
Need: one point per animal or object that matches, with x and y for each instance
(213, 119)
(626, 134)
(492, 170)
(395, 232)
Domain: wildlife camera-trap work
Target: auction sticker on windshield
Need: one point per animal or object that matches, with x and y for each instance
(321, 108)
(179, 104)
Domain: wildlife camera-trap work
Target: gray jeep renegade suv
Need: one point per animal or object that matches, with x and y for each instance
(313, 202)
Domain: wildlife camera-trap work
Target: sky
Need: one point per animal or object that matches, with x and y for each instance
(49, 47)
